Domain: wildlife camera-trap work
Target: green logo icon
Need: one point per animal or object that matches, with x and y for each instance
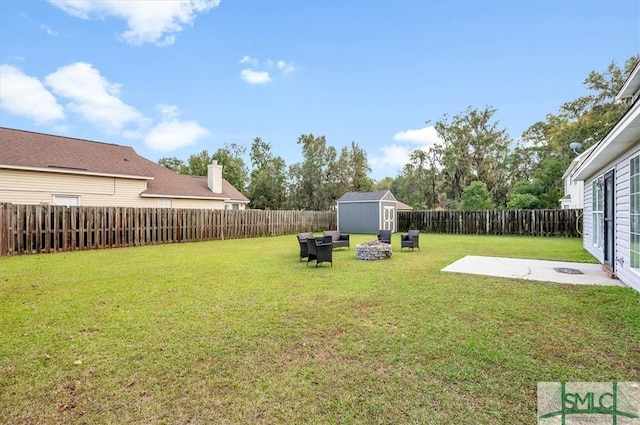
(567, 403)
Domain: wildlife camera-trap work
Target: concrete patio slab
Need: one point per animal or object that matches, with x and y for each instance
(547, 271)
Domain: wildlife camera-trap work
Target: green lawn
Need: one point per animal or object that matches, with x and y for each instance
(239, 331)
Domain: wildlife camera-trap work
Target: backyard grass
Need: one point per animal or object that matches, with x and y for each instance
(239, 331)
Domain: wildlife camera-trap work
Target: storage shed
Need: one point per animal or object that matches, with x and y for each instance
(367, 212)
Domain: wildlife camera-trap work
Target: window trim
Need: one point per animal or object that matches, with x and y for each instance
(597, 212)
(57, 198)
(167, 201)
(634, 213)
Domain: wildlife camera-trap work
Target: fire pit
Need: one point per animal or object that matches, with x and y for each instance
(374, 250)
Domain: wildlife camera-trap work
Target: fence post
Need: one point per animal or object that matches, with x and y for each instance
(5, 229)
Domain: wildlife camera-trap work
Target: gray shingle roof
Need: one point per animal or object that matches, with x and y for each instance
(19, 148)
(374, 195)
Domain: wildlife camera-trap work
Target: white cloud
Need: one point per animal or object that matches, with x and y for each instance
(168, 111)
(249, 60)
(286, 68)
(426, 136)
(393, 157)
(148, 21)
(48, 30)
(93, 97)
(255, 77)
(171, 133)
(26, 96)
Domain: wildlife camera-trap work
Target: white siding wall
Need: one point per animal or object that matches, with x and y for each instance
(196, 203)
(29, 187)
(587, 223)
(622, 257)
(622, 220)
(574, 189)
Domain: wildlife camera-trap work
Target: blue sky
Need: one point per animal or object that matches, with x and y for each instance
(173, 78)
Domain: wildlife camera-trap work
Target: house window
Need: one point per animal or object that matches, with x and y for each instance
(66, 200)
(634, 200)
(165, 203)
(598, 213)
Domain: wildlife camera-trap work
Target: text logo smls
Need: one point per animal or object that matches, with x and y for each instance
(572, 402)
(575, 403)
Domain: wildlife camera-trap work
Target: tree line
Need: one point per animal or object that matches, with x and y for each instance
(475, 165)
(315, 183)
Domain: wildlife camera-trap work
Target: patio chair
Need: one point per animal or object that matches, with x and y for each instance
(384, 236)
(319, 251)
(337, 239)
(302, 241)
(410, 240)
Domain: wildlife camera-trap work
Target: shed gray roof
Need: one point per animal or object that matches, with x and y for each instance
(374, 195)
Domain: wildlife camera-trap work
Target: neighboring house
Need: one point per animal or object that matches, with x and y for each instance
(611, 175)
(401, 206)
(573, 189)
(38, 168)
(367, 212)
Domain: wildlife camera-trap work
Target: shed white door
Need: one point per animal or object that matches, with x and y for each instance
(388, 218)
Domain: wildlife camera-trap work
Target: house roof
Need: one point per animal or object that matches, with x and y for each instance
(623, 136)
(632, 85)
(577, 161)
(375, 195)
(27, 150)
(401, 206)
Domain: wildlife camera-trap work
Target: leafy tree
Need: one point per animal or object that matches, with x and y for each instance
(524, 201)
(338, 177)
(549, 173)
(534, 187)
(197, 164)
(234, 169)
(324, 174)
(383, 184)
(472, 148)
(526, 194)
(230, 157)
(475, 197)
(419, 182)
(405, 187)
(359, 169)
(174, 164)
(267, 189)
(586, 120)
(309, 188)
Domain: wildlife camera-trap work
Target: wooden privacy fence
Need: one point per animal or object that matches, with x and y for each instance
(565, 223)
(32, 229)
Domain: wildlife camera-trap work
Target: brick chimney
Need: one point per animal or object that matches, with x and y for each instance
(214, 177)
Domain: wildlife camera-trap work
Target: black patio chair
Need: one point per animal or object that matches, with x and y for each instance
(302, 241)
(319, 251)
(384, 236)
(410, 240)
